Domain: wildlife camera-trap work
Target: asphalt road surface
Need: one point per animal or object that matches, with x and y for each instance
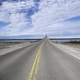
(39, 61)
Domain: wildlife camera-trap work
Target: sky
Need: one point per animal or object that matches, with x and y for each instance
(55, 18)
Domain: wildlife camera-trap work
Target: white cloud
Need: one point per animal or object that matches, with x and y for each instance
(19, 21)
(50, 17)
(54, 13)
(48, 20)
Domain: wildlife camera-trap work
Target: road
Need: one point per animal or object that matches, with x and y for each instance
(39, 61)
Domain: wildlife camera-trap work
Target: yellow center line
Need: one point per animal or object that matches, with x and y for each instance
(37, 65)
(34, 69)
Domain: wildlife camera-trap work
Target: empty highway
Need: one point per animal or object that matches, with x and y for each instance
(39, 61)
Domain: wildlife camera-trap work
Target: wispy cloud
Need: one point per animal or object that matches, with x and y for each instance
(16, 14)
(52, 17)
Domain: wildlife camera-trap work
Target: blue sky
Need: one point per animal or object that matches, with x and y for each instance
(57, 18)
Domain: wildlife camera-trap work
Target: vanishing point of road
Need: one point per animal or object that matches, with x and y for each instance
(39, 61)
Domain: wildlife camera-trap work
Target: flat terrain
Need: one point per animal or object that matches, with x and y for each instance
(7, 44)
(74, 45)
(7, 47)
(42, 60)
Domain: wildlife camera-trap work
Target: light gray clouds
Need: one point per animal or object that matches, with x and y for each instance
(50, 19)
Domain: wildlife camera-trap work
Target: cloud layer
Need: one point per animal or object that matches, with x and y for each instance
(52, 17)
